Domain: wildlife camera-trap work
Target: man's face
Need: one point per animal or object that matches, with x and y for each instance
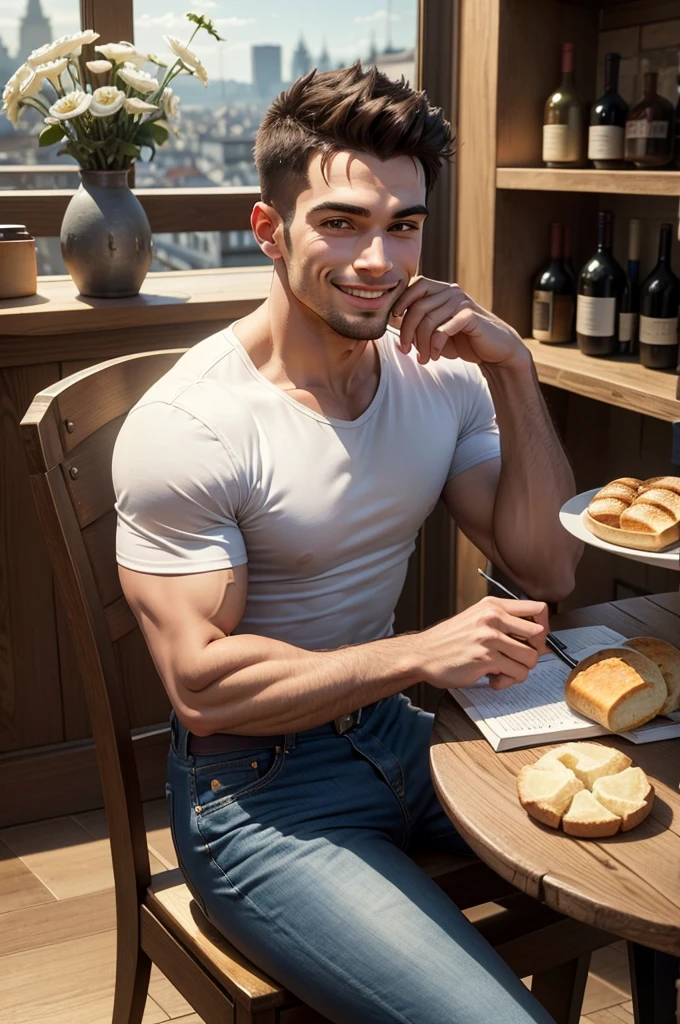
(366, 236)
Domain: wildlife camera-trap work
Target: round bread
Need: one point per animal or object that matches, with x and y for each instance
(667, 658)
(628, 481)
(617, 687)
(646, 518)
(669, 483)
(591, 790)
(635, 539)
(616, 489)
(607, 510)
(668, 500)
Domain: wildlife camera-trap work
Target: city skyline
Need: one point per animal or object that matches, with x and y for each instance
(346, 31)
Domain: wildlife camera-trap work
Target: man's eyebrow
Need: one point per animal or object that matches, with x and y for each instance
(361, 211)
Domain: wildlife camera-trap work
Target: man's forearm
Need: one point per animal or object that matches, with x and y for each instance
(535, 481)
(252, 685)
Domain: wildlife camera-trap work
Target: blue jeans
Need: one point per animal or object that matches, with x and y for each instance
(300, 857)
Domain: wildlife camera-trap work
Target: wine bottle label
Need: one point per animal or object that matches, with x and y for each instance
(647, 129)
(595, 317)
(655, 330)
(552, 317)
(627, 325)
(557, 143)
(605, 142)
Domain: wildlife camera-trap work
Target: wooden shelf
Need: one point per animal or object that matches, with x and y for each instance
(619, 381)
(547, 179)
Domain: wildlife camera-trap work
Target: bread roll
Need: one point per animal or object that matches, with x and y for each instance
(628, 481)
(547, 794)
(616, 489)
(670, 483)
(617, 687)
(607, 510)
(645, 518)
(667, 658)
(587, 817)
(669, 501)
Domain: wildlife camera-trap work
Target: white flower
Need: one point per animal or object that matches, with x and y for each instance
(139, 80)
(73, 104)
(12, 109)
(52, 71)
(169, 103)
(188, 57)
(106, 101)
(11, 90)
(51, 120)
(134, 105)
(98, 67)
(65, 46)
(31, 86)
(120, 53)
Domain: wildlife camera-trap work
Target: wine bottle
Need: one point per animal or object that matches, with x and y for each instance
(563, 121)
(630, 304)
(553, 306)
(659, 304)
(649, 128)
(608, 120)
(601, 286)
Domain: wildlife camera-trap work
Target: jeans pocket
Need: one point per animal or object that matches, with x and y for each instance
(226, 780)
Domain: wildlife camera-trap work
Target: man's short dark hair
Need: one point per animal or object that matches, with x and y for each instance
(347, 109)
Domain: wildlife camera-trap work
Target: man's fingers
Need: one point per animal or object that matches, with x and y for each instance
(501, 682)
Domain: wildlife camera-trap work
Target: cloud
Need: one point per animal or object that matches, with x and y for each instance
(207, 5)
(376, 16)
(237, 22)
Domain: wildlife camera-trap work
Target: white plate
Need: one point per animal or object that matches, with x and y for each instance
(571, 517)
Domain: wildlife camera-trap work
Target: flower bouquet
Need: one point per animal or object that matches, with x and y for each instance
(106, 111)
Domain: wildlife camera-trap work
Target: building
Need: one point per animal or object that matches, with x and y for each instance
(35, 30)
(266, 70)
(302, 61)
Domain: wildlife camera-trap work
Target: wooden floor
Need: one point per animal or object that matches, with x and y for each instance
(57, 929)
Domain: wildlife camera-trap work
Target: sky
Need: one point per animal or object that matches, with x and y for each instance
(346, 26)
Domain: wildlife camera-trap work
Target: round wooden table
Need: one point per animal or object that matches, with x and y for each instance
(628, 884)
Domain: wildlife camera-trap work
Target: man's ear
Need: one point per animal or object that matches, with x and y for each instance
(267, 226)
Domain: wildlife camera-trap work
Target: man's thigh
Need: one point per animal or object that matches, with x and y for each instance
(355, 929)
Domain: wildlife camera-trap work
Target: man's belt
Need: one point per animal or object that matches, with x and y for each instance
(225, 742)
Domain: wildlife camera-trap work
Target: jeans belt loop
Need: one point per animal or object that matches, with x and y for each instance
(289, 742)
(347, 722)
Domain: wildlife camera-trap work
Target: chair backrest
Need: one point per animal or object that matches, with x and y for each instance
(69, 432)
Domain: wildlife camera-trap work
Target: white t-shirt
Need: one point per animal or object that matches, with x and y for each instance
(216, 466)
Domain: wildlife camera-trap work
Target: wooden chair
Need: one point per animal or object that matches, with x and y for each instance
(69, 433)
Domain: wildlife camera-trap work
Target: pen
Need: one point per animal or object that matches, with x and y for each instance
(555, 645)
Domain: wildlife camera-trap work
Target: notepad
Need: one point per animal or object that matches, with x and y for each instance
(535, 712)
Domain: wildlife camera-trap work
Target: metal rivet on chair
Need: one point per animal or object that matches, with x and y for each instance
(69, 426)
(73, 472)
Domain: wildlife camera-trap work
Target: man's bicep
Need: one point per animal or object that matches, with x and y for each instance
(180, 616)
(470, 498)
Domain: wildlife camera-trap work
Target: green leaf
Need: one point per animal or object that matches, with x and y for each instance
(206, 23)
(51, 134)
(151, 132)
(127, 148)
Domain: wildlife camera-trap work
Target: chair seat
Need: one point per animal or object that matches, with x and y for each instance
(466, 880)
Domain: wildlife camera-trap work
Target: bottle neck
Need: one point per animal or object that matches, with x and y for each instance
(611, 73)
(604, 235)
(650, 81)
(665, 245)
(567, 83)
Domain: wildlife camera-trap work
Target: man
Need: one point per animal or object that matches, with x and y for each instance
(269, 491)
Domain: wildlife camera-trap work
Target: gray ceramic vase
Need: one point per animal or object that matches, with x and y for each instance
(106, 240)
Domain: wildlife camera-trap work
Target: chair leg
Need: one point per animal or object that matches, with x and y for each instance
(560, 990)
(652, 978)
(133, 968)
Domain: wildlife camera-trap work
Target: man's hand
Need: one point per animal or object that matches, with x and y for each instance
(494, 637)
(440, 319)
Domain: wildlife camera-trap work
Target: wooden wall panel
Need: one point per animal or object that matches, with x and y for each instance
(30, 708)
